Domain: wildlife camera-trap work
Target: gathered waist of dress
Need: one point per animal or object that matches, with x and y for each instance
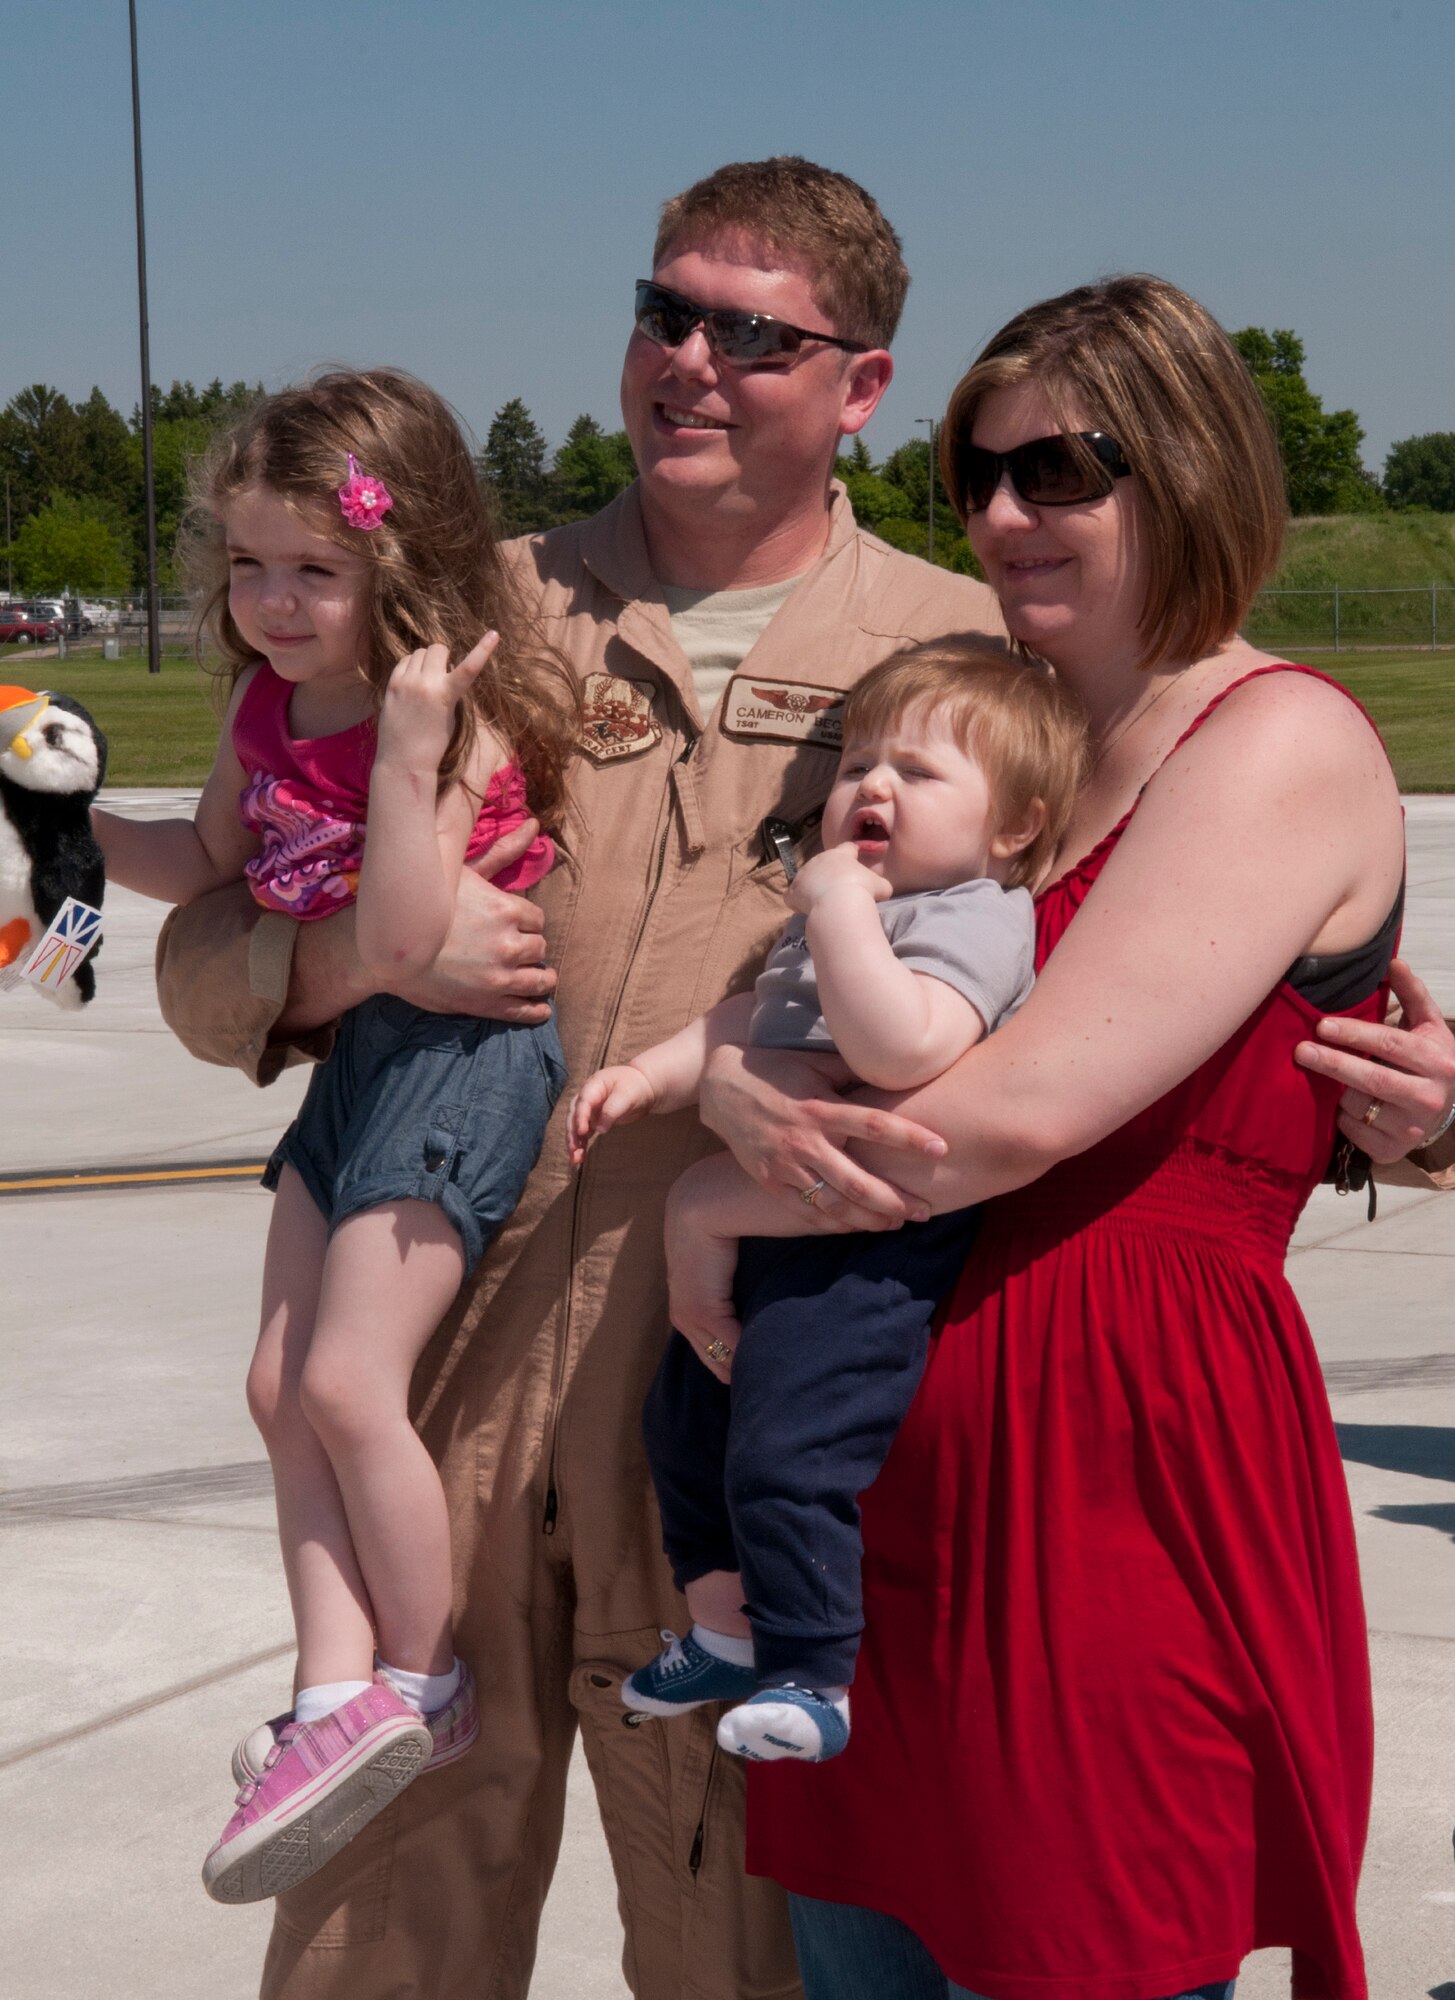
(1196, 1191)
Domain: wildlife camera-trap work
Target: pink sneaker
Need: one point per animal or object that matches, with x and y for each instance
(452, 1729)
(320, 1784)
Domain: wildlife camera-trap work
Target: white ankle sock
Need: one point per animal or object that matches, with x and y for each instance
(426, 1692)
(724, 1646)
(312, 1704)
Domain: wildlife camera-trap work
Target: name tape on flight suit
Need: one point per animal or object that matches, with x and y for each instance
(784, 711)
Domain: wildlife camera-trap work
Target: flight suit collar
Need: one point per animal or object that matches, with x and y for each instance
(614, 549)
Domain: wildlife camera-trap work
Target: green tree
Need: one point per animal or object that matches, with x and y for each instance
(875, 500)
(72, 545)
(513, 470)
(111, 457)
(1420, 472)
(214, 405)
(590, 469)
(858, 459)
(177, 445)
(909, 469)
(952, 551)
(1322, 469)
(40, 448)
(184, 421)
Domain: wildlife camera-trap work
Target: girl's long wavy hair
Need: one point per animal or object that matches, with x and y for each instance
(436, 575)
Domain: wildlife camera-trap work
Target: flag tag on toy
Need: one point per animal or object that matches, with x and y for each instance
(73, 931)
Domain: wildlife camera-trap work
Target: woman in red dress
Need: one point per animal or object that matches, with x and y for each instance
(1111, 1726)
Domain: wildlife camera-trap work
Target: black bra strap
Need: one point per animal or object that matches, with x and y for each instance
(1332, 981)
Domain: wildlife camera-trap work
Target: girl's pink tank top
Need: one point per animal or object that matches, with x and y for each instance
(307, 800)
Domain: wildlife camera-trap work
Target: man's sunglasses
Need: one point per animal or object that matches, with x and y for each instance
(667, 318)
(1057, 471)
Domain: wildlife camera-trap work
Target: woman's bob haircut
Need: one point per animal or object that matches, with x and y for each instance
(1140, 360)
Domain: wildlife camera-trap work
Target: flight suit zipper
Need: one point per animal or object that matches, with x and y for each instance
(548, 1525)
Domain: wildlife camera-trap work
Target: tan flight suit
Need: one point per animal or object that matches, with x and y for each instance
(664, 899)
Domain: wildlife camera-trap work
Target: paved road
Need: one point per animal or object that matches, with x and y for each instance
(143, 1604)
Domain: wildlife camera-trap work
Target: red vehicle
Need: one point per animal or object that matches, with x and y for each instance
(24, 626)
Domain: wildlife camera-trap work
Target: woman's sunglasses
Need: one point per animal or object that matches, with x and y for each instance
(1057, 471)
(667, 318)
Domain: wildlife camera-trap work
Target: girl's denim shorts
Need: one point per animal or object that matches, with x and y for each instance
(425, 1107)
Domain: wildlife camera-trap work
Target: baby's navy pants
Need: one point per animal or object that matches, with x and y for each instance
(765, 1476)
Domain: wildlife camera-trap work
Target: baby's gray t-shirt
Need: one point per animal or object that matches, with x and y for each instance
(977, 937)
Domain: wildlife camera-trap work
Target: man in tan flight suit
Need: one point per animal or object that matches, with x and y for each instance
(714, 614)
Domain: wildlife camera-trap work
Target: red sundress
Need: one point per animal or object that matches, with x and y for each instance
(1111, 1725)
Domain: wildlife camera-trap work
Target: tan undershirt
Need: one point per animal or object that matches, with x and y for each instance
(717, 629)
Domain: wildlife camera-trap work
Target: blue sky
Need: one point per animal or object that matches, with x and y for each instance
(469, 190)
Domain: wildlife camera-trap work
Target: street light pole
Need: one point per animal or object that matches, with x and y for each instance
(9, 558)
(154, 645)
(931, 421)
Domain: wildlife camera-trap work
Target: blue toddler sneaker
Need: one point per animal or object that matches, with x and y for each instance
(684, 1676)
(779, 1722)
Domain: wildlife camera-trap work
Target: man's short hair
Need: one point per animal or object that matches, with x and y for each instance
(812, 216)
(1026, 731)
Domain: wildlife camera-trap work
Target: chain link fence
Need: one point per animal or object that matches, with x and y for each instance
(1338, 618)
(108, 627)
(1344, 619)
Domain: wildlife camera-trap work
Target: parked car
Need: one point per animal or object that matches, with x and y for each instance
(67, 612)
(20, 624)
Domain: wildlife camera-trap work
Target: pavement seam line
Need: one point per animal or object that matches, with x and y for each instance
(166, 1521)
(149, 1701)
(190, 1486)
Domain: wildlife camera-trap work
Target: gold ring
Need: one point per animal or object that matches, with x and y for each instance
(1375, 1107)
(811, 1194)
(718, 1350)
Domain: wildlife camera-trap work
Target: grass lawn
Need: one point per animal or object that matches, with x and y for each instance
(163, 729)
(1412, 698)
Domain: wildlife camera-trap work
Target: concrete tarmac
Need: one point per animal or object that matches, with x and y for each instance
(143, 1593)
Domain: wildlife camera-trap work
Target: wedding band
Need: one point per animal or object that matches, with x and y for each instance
(1375, 1107)
(718, 1350)
(811, 1194)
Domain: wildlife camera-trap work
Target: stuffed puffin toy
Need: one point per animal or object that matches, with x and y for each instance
(52, 761)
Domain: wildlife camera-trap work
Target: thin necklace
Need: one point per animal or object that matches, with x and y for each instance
(1135, 716)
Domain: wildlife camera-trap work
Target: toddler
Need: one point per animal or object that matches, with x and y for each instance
(914, 936)
(343, 549)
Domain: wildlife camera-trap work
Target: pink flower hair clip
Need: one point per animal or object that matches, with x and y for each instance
(364, 500)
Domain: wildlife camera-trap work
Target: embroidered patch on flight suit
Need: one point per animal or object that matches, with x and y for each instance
(784, 711)
(617, 719)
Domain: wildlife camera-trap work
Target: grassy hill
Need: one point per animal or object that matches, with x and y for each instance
(1397, 555)
(1368, 550)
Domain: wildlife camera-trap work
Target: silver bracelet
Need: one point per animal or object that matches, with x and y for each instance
(1440, 1130)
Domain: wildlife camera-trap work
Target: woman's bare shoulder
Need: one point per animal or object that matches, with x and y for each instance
(1279, 711)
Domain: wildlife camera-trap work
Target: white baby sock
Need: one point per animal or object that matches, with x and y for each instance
(426, 1692)
(723, 1646)
(313, 1704)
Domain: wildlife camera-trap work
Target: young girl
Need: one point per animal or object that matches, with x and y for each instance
(345, 558)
